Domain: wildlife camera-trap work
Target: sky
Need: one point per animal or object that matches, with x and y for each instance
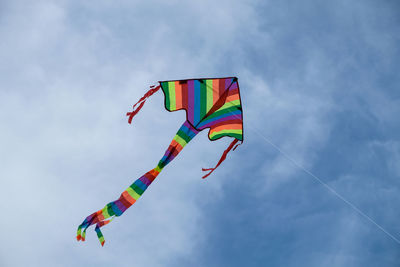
(319, 80)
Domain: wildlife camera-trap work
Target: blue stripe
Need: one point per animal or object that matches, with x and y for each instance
(115, 208)
(236, 112)
(185, 129)
(164, 158)
(141, 185)
(188, 131)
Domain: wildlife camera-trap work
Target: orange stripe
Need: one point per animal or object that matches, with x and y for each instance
(128, 197)
(232, 97)
(178, 95)
(98, 218)
(154, 173)
(215, 86)
(227, 127)
(176, 145)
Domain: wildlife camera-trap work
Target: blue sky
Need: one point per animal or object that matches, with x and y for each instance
(318, 79)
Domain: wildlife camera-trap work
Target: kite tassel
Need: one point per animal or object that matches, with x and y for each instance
(223, 157)
(94, 218)
(91, 219)
(98, 231)
(141, 102)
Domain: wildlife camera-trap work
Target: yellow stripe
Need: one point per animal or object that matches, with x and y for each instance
(158, 169)
(179, 140)
(209, 90)
(105, 213)
(227, 131)
(133, 193)
(172, 97)
(233, 103)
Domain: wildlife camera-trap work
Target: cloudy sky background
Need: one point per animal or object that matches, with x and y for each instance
(318, 79)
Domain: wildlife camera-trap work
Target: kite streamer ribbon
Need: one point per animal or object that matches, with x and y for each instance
(223, 157)
(142, 100)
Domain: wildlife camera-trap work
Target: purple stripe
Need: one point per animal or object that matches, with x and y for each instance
(121, 206)
(145, 180)
(227, 82)
(213, 122)
(190, 109)
(189, 127)
(233, 87)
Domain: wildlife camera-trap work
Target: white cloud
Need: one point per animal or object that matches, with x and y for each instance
(70, 71)
(66, 144)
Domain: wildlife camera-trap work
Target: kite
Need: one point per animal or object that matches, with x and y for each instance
(212, 103)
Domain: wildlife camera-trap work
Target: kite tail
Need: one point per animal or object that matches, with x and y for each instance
(223, 157)
(132, 194)
(118, 207)
(141, 102)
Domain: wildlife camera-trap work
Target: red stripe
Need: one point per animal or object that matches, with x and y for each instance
(124, 201)
(128, 197)
(235, 121)
(234, 91)
(150, 176)
(221, 87)
(184, 87)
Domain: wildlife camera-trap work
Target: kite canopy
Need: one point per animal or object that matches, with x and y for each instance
(212, 103)
(209, 103)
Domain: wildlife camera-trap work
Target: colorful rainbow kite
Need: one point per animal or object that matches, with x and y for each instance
(212, 103)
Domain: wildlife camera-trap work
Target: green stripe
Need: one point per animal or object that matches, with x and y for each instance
(158, 169)
(137, 189)
(219, 135)
(222, 112)
(184, 136)
(180, 140)
(105, 212)
(100, 237)
(110, 211)
(231, 103)
(132, 193)
(172, 95)
(209, 89)
(228, 131)
(166, 92)
(203, 100)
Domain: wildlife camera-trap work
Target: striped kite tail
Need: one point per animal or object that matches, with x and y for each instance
(117, 207)
(132, 194)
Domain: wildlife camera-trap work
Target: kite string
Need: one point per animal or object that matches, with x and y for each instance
(337, 194)
(326, 186)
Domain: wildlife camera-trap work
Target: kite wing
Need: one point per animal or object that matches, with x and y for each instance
(212, 103)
